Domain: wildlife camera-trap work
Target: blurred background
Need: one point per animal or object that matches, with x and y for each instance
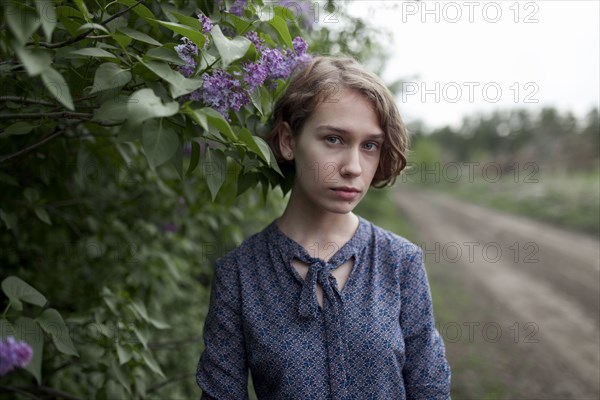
(502, 191)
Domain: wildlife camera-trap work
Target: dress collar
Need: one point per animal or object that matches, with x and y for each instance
(291, 249)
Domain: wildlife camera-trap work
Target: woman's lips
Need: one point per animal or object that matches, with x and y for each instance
(346, 193)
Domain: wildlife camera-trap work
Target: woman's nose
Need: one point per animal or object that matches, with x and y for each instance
(351, 163)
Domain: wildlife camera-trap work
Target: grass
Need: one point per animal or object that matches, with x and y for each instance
(566, 200)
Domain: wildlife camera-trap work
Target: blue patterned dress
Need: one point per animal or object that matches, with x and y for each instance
(375, 339)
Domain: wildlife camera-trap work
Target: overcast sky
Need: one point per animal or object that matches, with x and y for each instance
(482, 55)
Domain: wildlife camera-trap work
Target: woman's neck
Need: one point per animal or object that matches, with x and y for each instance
(307, 225)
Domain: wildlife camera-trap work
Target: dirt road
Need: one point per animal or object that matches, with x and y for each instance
(540, 284)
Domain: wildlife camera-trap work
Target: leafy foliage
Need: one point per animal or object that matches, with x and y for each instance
(121, 183)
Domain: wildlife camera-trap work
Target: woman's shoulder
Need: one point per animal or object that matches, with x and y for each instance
(253, 246)
(393, 243)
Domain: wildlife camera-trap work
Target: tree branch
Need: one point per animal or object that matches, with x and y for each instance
(25, 100)
(86, 33)
(57, 393)
(17, 390)
(57, 114)
(27, 149)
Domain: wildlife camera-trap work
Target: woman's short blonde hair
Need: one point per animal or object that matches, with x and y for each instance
(322, 78)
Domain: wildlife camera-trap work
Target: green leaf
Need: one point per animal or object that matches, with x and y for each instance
(177, 160)
(142, 334)
(151, 362)
(32, 195)
(198, 116)
(215, 119)
(113, 390)
(108, 76)
(264, 147)
(111, 111)
(282, 30)
(27, 330)
(160, 143)
(142, 37)
(57, 86)
(178, 84)
(124, 354)
(164, 54)
(241, 25)
(18, 290)
(116, 372)
(246, 181)
(254, 144)
(193, 34)
(19, 128)
(256, 99)
(141, 10)
(94, 52)
(215, 170)
(194, 160)
(139, 309)
(53, 324)
(91, 25)
(228, 191)
(230, 50)
(70, 18)
(10, 220)
(84, 10)
(21, 21)
(35, 61)
(189, 21)
(47, 13)
(42, 214)
(123, 40)
(144, 104)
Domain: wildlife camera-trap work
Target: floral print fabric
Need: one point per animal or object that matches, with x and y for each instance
(375, 339)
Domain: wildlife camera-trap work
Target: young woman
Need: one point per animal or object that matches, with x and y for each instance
(323, 304)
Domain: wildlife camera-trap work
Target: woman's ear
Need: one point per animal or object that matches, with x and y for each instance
(286, 141)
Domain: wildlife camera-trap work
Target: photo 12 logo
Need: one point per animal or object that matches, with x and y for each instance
(454, 92)
(453, 12)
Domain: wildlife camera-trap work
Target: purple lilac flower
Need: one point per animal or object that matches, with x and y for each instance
(238, 6)
(300, 45)
(186, 51)
(258, 42)
(221, 91)
(14, 354)
(275, 63)
(254, 75)
(205, 22)
(294, 61)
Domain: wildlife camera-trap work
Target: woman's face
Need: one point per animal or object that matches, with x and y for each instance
(337, 152)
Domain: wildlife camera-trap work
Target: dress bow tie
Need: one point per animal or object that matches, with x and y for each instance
(318, 271)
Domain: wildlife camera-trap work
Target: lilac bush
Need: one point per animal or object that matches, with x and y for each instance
(224, 90)
(14, 354)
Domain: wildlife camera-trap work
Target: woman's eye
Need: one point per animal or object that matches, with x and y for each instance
(332, 139)
(371, 146)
